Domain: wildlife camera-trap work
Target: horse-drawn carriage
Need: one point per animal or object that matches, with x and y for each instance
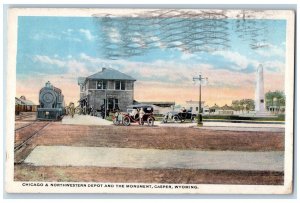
(140, 114)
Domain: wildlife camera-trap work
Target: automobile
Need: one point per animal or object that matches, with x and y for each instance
(179, 116)
(132, 115)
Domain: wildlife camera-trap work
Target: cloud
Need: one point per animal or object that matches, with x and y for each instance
(69, 64)
(87, 34)
(48, 60)
(77, 68)
(164, 80)
(69, 35)
(186, 56)
(42, 36)
(239, 61)
(272, 51)
(274, 66)
(114, 35)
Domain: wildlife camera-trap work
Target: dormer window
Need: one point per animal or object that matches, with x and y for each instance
(120, 85)
(101, 85)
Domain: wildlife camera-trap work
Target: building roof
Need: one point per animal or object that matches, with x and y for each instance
(215, 107)
(194, 102)
(226, 107)
(18, 101)
(24, 102)
(110, 74)
(160, 103)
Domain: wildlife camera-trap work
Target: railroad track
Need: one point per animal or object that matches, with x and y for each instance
(23, 116)
(24, 142)
(24, 126)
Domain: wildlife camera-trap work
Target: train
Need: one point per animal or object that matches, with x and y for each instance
(51, 101)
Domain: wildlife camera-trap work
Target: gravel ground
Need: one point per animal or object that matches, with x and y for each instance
(150, 138)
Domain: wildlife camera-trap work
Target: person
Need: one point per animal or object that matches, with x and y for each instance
(183, 110)
(134, 113)
(141, 115)
(102, 110)
(72, 109)
(91, 110)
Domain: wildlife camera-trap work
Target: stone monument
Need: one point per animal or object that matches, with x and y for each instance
(260, 107)
(259, 92)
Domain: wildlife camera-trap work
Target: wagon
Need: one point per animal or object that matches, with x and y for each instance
(132, 115)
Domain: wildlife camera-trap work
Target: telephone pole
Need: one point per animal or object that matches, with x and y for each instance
(200, 79)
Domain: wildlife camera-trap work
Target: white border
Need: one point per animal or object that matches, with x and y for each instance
(13, 186)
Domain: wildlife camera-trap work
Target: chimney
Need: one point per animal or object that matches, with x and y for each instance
(103, 69)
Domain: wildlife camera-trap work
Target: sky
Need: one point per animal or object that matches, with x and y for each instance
(61, 49)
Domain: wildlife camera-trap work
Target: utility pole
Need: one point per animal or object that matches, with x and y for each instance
(200, 79)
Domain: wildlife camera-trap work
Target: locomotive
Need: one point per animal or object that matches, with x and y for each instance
(51, 103)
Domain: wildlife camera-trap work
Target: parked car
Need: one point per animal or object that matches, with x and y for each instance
(132, 115)
(178, 116)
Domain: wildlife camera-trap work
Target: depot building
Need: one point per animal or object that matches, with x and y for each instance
(107, 88)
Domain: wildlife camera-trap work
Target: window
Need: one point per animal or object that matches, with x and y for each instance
(101, 85)
(120, 85)
(197, 108)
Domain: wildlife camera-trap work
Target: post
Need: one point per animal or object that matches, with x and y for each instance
(200, 123)
(200, 78)
(105, 104)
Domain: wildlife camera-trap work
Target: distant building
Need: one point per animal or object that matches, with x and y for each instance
(226, 110)
(159, 107)
(214, 109)
(193, 106)
(108, 89)
(24, 105)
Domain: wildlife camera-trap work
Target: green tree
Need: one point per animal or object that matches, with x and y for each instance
(250, 104)
(243, 104)
(236, 105)
(276, 98)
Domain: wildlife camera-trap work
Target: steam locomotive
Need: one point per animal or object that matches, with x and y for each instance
(51, 103)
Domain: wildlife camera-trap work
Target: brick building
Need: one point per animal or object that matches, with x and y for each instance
(109, 88)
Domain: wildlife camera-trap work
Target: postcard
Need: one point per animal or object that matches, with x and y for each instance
(156, 101)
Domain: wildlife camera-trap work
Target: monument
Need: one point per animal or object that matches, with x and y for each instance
(260, 107)
(260, 93)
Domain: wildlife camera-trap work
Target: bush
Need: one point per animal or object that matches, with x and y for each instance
(280, 117)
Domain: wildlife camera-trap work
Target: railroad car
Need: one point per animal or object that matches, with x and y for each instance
(51, 103)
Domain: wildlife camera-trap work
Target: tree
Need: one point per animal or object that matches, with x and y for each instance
(244, 104)
(276, 98)
(236, 105)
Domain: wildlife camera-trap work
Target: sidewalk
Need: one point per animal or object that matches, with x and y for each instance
(228, 126)
(85, 120)
(154, 158)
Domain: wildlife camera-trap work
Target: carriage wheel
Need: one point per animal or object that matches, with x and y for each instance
(126, 121)
(150, 121)
(175, 118)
